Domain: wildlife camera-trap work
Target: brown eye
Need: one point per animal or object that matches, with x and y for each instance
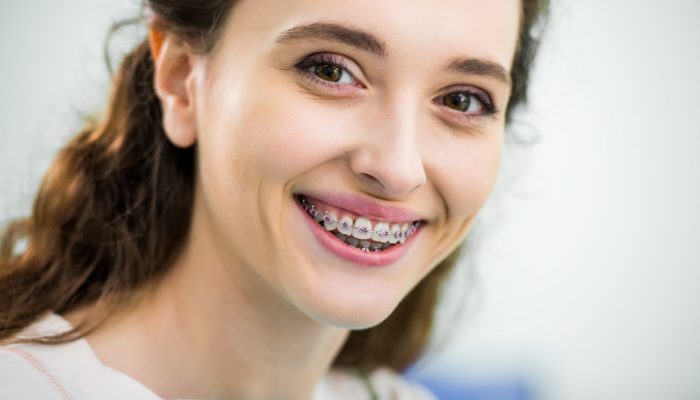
(459, 101)
(469, 103)
(328, 72)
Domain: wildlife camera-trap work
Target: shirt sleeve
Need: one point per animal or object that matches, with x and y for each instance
(21, 380)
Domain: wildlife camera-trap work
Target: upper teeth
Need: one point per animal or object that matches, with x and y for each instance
(361, 228)
(381, 232)
(330, 220)
(345, 225)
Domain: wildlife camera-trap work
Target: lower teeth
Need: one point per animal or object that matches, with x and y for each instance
(364, 245)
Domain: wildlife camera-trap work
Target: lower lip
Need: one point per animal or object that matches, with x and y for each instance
(354, 254)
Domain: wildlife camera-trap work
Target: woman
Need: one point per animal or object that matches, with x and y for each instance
(270, 205)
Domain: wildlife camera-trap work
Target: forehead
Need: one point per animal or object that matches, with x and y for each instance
(409, 29)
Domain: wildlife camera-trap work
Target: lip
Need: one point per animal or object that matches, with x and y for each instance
(365, 207)
(365, 258)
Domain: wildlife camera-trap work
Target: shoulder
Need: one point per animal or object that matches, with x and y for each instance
(68, 371)
(22, 377)
(23, 369)
(384, 382)
(38, 371)
(391, 385)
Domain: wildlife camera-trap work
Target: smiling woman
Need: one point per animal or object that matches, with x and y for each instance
(271, 204)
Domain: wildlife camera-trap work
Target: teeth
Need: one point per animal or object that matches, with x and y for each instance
(313, 212)
(362, 229)
(395, 233)
(340, 237)
(330, 220)
(381, 232)
(404, 233)
(345, 225)
(412, 229)
(358, 232)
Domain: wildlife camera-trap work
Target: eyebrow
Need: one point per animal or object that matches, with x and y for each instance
(357, 38)
(475, 66)
(369, 43)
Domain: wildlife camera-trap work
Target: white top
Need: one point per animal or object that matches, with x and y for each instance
(72, 371)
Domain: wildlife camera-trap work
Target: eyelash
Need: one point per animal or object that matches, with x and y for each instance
(490, 108)
(323, 59)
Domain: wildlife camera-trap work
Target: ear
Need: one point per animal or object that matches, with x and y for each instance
(175, 81)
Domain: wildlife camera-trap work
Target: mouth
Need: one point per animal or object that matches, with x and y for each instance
(362, 239)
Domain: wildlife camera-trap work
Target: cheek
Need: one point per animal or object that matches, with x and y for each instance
(468, 173)
(289, 136)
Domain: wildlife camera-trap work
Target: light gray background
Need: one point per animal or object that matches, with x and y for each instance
(588, 272)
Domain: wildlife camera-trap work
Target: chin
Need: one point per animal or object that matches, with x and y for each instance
(347, 310)
(354, 321)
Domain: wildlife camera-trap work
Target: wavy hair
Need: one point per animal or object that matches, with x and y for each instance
(115, 206)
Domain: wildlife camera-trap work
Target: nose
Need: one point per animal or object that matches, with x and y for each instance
(389, 159)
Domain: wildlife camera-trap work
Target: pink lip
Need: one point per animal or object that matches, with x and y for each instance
(350, 253)
(365, 207)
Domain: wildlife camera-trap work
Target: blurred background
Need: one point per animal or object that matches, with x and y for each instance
(583, 280)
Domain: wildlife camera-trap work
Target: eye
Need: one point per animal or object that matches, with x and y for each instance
(470, 102)
(463, 102)
(331, 73)
(326, 69)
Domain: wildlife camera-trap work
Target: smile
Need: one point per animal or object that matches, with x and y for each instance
(364, 239)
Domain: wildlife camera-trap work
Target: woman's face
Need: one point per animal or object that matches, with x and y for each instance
(380, 114)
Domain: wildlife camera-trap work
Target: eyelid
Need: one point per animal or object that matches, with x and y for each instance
(482, 95)
(327, 58)
(491, 109)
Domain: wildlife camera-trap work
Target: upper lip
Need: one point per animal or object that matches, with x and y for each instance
(365, 207)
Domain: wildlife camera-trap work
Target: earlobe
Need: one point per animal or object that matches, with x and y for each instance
(174, 82)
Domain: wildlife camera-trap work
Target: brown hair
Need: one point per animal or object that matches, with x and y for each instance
(117, 201)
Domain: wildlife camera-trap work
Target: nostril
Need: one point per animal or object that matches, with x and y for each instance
(372, 179)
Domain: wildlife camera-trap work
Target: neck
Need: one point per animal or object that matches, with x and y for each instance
(210, 330)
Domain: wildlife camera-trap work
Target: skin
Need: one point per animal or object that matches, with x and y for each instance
(254, 306)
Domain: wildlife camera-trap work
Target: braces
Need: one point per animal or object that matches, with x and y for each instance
(375, 247)
(327, 218)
